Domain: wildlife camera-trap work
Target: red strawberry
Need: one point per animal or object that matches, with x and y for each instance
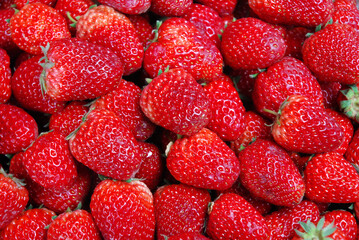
(144, 30)
(170, 8)
(294, 38)
(203, 160)
(344, 221)
(18, 129)
(179, 209)
(13, 198)
(123, 210)
(188, 236)
(104, 26)
(65, 63)
(332, 54)
(223, 7)
(287, 77)
(352, 153)
(16, 167)
(319, 132)
(35, 25)
(330, 178)
(282, 223)
(5, 76)
(268, 172)
(249, 43)
(232, 217)
(76, 225)
(31, 224)
(175, 101)
(21, 3)
(106, 146)
(128, 6)
(293, 12)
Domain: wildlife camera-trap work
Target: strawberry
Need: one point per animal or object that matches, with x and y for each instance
(344, 4)
(170, 8)
(21, 3)
(268, 172)
(223, 7)
(123, 210)
(203, 160)
(188, 236)
(293, 12)
(31, 224)
(352, 153)
(76, 225)
(5, 76)
(287, 77)
(180, 208)
(330, 92)
(227, 119)
(128, 7)
(232, 217)
(124, 100)
(332, 53)
(35, 25)
(104, 26)
(346, 12)
(319, 132)
(330, 178)
(175, 101)
(106, 146)
(283, 222)
(6, 41)
(249, 43)
(6, 4)
(18, 129)
(13, 198)
(64, 78)
(344, 221)
(16, 167)
(294, 38)
(142, 25)
(348, 99)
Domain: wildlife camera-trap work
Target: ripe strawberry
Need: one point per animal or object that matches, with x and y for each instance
(249, 43)
(128, 7)
(13, 198)
(319, 132)
(188, 236)
(6, 41)
(223, 7)
(142, 25)
(330, 92)
(170, 8)
(268, 172)
(65, 78)
(17, 129)
(175, 101)
(348, 99)
(203, 160)
(344, 221)
(16, 167)
(346, 12)
(330, 178)
(6, 4)
(294, 38)
(76, 225)
(104, 26)
(21, 3)
(35, 25)
(332, 54)
(123, 210)
(283, 222)
(232, 217)
(179, 209)
(31, 224)
(352, 153)
(5, 76)
(106, 146)
(287, 77)
(293, 12)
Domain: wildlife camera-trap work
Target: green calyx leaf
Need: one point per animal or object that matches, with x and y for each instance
(319, 232)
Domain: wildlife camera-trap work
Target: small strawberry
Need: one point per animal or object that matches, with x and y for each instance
(352, 153)
(344, 221)
(21, 3)
(5, 76)
(142, 25)
(172, 8)
(35, 25)
(188, 236)
(330, 92)
(179, 209)
(294, 38)
(128, 6)
(203, 160)
(223, 7)
(123, 210)
(330, 178)
(346, 12)
(232, 217)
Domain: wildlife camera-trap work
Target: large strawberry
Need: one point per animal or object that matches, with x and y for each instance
(223, 7)
(123, 210)
(348, 99)
(143, 27)
(344, 220)
(352, 153)
(175, 101)
(170, 8)
(6, 41)
(21, 3)
(75, 69)
(5, 76)
(188, 236)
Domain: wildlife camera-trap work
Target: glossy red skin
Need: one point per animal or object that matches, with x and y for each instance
(227, 119)
(172, 8)
(330, 92)
(6, 41)
(26, 88)
(180, 208)
(17, 129)
(223, 7)
(232, 217)
(106, 146)
(181, 45)
(76, 225)
(319, 132)
(175, 101)
(330, 178)
(123, 210)
(124, 100)
(128, 7)
(35, 25)
(29, 225)
(104, 26)
(204, 161)
(352, 153)
(249, 43)
(332, 54)
(281, 223)
(188, 236)
(143, 28)
(287, 77)
(344, 221)
(13, 200)
(294, 39)
(293, 12)
(268, 172)
(5, 76)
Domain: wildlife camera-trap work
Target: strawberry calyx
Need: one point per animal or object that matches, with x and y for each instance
(19, 182)
(46, 65)
(84, 117)
(316, 232)
(350, 106)
(320, 27)
(256, 74)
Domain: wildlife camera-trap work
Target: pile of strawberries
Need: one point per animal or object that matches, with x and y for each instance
(179, 120)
